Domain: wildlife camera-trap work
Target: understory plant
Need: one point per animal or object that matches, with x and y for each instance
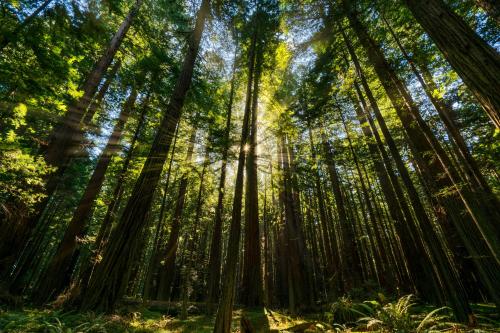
(398, 317)
(345, 310)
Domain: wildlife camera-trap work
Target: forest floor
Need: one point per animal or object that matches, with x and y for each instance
(261, 320)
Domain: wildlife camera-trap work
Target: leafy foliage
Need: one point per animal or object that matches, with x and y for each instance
(345, 310)
(21, 181)
(399, 316)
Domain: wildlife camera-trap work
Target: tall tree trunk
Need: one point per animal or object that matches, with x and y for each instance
(225, 309)
(413, 248)
(97, 102)
(151, 281)
(299, 293)
(349, 251)
(439, 173)
(369, 271)
(110, 278)
(447, 115)
(281, 238)
(214, 265)
(455, 292)
(351, 269)
(267, 217)
(58, 273)
(113, 205)
(313, 245)
(251, 283)
(442, 175)
(67, 135)
(332, 261)
(106, 224)
(170, 251)
(387, 277)
(477, 63)
(192, 240)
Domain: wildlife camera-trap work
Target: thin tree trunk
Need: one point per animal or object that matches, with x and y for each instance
(477, 63)
(332, 261)
(109, 218)
(423, 143)
(373, 250)
(110, 278)
(67, 135)
(267, 219)
(251, 283)
(225, 309)
(192, 240)
(447, 115)
(387, 278)
(455, 292)
(105, 227)
(431, 157)
(413, 248)
(351, 269)
(96, 103)
(281, 238)
(299, 292)
(214, 265)
(155, 259)
(170, 251)
(349, 251)
(58, 274)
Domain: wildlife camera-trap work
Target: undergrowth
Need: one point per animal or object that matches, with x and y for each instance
(403, 315)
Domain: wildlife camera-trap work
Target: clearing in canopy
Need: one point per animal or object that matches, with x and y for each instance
(249, 166)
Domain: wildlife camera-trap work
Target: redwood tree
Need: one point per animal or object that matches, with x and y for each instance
(123, 245)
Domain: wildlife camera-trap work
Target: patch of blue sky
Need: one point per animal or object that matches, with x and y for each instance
(111, 107)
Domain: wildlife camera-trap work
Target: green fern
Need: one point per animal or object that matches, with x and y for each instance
(431, 318)
(397, 317)
(344, 310)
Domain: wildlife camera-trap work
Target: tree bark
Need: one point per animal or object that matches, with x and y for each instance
(151, 280)
(477, 63)
(351, 269)
(214, 265)
(299, 292)
(387, 277)
(170, 251)
(251, 283)
(110, 279)
(447, 115)
(332, 261)
(96, 103)
(414, 250)
(225, 309)
(110, 216)
(192, 240)
(455, 292)
(64, 142)
(58, 274)
(438, 170)
(106, 224)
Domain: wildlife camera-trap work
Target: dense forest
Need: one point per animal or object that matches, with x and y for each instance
(249, 165)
